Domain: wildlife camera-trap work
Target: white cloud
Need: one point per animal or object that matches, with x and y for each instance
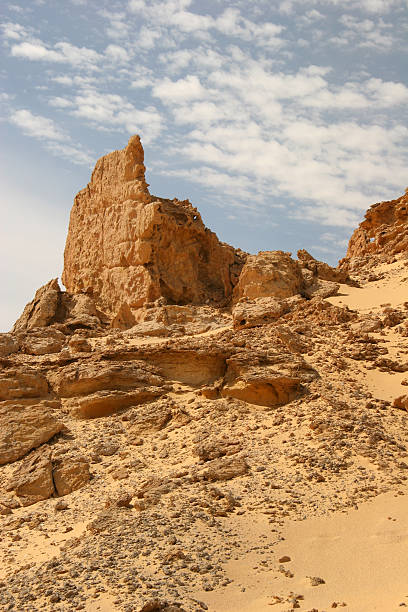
(53, 138)
(36, 125)
(117, 54)
(61, 52)
(189, 88)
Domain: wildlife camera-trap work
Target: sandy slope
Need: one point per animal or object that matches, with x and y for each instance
(348, 526)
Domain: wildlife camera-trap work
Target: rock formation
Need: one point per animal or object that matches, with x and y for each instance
(383, 231)
(181, 391)
(125, 246)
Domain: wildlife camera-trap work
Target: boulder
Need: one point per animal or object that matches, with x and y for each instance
(8, 344)
(70, 474)
(24, 382)
(148, 419)
(276, 381)
(384, 230)
(320, 269)
(91, 376)
(42, 310)
(23, 428)
(32, 481)
(260, 311)
(43, 341)
(269, 274)
(225, 468)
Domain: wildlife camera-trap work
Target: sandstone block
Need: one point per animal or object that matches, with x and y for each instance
(23, 428)
(8, 344)
(269, 274)
(70, 474)
(32, 481)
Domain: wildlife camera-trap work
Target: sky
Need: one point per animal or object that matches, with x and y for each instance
(282, 121)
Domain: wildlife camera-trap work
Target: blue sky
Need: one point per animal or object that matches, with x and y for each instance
(282, 121)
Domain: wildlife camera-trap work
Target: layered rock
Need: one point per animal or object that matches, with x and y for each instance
(384, 229)
(125, 246)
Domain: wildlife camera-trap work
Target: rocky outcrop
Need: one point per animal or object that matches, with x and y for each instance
(125, 246)
(383, 231)
(270, 381)
(320, 269)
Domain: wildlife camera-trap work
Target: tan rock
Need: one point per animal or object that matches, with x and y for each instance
(213, 448)
(125, 246)
(43, 341)
(104, 403)
(148, 419)
(269, 274)
(269, 384)
(91, 376)
(321, 269)
(8, 344)
(321, 288)
(23, 428)
(17, 383)
(32, 481)
(70, 474)
(260, 311)
(401, 402)
(384, 230)
(124, 318)
(225, 468)
(42, 310)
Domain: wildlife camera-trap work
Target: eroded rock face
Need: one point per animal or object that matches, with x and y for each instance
(384, 229)
(126, 247)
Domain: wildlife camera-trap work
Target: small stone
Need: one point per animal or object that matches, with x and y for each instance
(61, 505)
(316, 580)
(285, 559)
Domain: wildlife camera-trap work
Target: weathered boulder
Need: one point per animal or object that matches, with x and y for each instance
(125, 246)
(321, 269)
(148, 419)
(70, 473)
(42, 310)
(269, 274)
(91, 376)
(260, 311)
(225, 468)
(8, 344)
(32, 481)
(43, 341)
(22, 382)
(23, 428)
(210, 449)
(104, 403)
(51, 305)
(401, 402)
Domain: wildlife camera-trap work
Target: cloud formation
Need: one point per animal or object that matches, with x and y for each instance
(247, 100)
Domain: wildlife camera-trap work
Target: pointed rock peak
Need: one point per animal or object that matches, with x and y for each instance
(134, 155)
